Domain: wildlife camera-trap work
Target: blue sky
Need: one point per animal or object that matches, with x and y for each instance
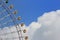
(30, 10)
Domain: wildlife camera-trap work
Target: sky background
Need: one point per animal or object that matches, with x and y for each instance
(30, 10)
(42, 19)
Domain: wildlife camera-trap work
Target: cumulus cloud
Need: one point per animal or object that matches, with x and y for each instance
(32, 28)
(50, 29)
(6, 33)
(47, 27)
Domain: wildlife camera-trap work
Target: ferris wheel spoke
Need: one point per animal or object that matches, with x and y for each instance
(6, 22)
(2, 11)
(0, 5)
(4, 17)
(7, 18)
(13, 38)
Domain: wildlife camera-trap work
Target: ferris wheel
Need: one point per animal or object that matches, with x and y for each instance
(8, 18)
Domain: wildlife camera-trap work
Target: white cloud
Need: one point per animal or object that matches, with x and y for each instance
(50, 29)
(47, 27)
(32, 28)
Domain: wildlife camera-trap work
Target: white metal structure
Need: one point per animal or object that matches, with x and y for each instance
(7, 18)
